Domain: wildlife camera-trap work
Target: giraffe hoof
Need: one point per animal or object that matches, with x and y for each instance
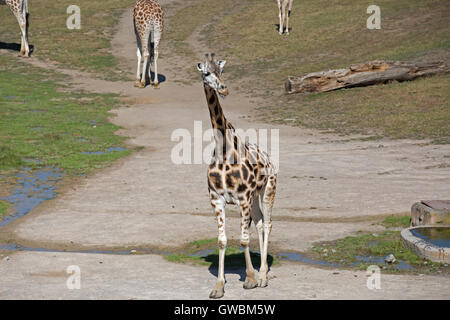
(250, 283)
(216, 294)
(156, 86)
(263, 283)
(141, 85)
(137, 83)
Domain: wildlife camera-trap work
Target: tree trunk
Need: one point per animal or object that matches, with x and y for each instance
(364, 74)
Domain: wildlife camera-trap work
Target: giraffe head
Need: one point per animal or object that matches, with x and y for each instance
(212, 74)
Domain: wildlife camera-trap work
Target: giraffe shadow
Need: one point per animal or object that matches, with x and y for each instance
(277, 27)
(13, 46)
(235, 263)
(161, 77)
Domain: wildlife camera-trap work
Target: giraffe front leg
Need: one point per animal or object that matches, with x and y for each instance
(219, 208)
(250, 280)
(287, 22)
(280, 26)
(144, 70)
(156, 81)
(157, 37)
(22, 26)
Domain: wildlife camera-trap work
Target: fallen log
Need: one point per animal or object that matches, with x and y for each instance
(363, 74)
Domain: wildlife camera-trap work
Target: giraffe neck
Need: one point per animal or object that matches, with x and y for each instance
(218, 120)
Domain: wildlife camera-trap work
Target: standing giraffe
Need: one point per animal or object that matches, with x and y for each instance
(148, 26)
(20, 10)
(239, 174)
(282, 4)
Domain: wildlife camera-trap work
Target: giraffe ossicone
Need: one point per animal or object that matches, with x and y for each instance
(148, 27)
(20, 10)
(241, 174)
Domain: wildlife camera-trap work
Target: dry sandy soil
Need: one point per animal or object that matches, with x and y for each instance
(328, 187)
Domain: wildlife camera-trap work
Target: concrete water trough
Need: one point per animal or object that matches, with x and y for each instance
(429, 234)
(429, 241)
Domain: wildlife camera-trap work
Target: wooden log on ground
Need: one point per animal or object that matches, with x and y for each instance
(364, 74)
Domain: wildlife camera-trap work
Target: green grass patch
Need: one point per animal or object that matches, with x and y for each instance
(86, 49)
(346, 251)
(329, 35)
(3, 208)
(234, 257)
(396, 221)
(43, 125)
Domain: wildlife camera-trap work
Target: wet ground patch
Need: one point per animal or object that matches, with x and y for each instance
(364, 249)
(33, 187)
(205, 252)
(47, 133)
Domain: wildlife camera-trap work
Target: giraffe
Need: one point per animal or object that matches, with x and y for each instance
(241, 174)
(282, 4)
(148, 25)
(20, 9)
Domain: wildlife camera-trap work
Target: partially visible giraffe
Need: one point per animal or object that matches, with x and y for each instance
(20, 10)
(282, 4)
(148, 26)
(241, 174)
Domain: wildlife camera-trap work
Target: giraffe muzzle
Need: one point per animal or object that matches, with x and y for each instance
(223, 92)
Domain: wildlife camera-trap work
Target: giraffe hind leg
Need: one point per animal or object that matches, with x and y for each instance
(156, 39)
(251, 278)
(266, 205)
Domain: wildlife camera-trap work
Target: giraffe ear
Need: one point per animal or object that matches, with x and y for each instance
(200, 67)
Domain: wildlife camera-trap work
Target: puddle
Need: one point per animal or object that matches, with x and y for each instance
(202, 253)
(400, 265)
(33, 187)
(59, 106)
(438, 236)
(36, 128)
(109, 150)
(300, 257)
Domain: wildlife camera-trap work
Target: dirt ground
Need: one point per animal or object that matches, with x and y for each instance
(327, 186)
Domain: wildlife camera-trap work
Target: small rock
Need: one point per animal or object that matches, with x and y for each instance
(420, 275)
(133, 251)
(6, 258)
(336, 272)
(332, 250)
(425, 263)
(390, 258)
(325, 254)
(325, 250)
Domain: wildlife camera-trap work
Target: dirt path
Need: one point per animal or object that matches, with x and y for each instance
(145, 200)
